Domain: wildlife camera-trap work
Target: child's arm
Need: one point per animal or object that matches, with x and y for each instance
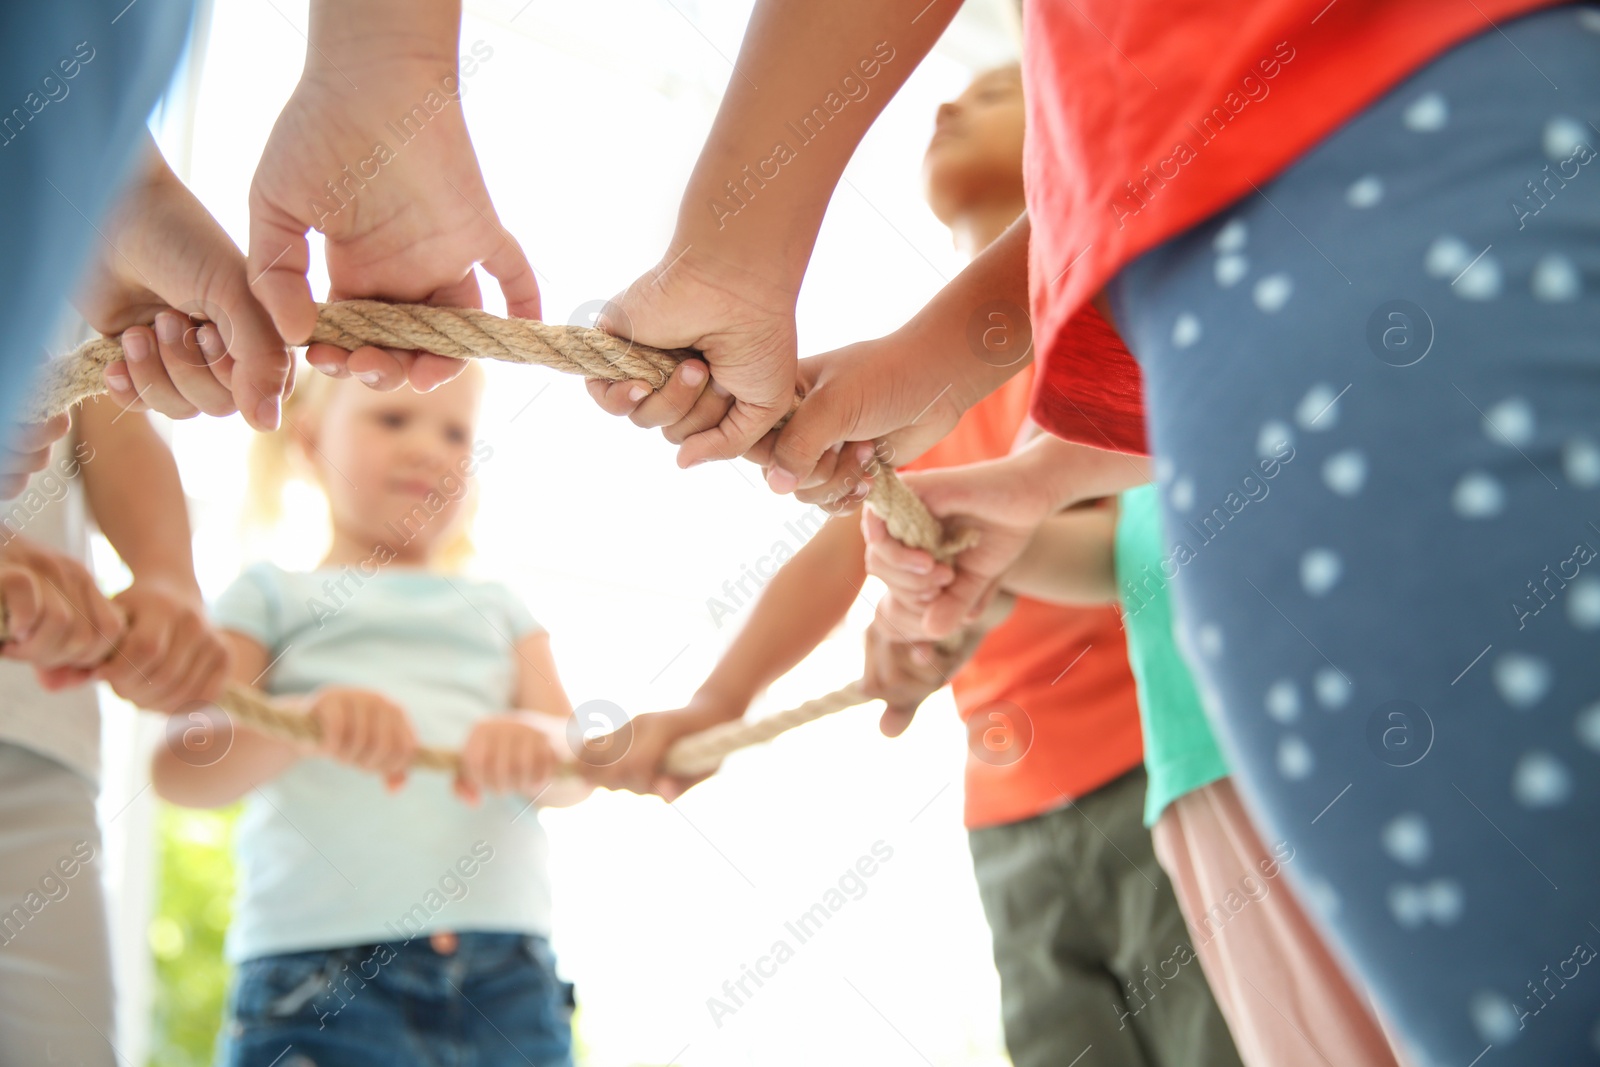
(169, 656)
(185, 770)
(908, 387)
(517, 752)
(808, 597)
(1070, 560)
(358, 727)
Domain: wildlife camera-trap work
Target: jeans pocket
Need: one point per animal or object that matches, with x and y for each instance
(540, 954)
(280, 988)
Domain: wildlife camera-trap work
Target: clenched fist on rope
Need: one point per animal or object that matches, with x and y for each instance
(416, 231)
(167, 279)
(56, 620)
(150, 643)
(173, 284)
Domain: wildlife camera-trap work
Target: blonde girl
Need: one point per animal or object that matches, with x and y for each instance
(384, 917)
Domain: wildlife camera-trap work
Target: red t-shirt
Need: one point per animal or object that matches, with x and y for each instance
(1048, 698)
(1146, 117)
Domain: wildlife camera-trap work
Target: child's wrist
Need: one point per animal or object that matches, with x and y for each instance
(1075, 473)
(177, 583)
(713, 706)
(937, 349)
(1031, 478)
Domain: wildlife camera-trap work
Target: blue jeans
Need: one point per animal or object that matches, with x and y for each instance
(492, 1001)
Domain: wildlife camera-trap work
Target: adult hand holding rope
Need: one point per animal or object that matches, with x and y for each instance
(372, 151)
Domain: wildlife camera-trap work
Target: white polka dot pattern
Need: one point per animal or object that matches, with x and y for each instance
(1364, 192)
(1478, 496)
(1521, 679)
(1272, 292)
(1428, 113)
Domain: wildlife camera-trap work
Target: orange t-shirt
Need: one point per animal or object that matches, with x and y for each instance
(1146, 117)
(1048, 698)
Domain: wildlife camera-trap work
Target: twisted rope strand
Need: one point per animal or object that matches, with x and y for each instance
(466, 333)
(462, 333)
(690, 756)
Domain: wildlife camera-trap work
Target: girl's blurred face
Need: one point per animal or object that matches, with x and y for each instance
(397, 458)
(976, 150)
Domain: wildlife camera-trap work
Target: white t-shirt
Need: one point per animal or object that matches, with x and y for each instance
(65, 726)
(327, 857)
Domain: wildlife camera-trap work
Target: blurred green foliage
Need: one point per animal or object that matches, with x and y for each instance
(193, 907)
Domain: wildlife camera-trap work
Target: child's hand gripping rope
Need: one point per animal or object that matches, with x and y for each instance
(690, 757)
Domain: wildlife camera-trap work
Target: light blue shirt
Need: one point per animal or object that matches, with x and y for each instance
(327, 857)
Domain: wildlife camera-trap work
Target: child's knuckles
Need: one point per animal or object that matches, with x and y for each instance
(52, 616)
(160, 678)
(333, 739)
(109, 622)
(79, 639)
(142, 648)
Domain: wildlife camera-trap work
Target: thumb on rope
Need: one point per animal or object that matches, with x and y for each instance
(810, 432)
(895, 719)
(262, 368)
(761, 398)
(509, 266)
(278, 262)
(21, 600)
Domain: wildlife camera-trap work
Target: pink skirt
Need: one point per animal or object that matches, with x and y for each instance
(1286, 998)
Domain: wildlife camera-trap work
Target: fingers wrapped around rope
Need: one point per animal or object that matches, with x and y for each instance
(462, 333)
(467, 333)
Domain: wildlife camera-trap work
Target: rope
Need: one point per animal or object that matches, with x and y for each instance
(690, 756)
(702, 752)
(466, 333)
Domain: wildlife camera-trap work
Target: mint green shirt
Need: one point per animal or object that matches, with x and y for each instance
(1180, 753)
(327, 857)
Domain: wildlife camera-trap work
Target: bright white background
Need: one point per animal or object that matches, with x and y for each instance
(587, 119)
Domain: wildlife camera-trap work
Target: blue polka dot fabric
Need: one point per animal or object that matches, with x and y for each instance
(1374, 400)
